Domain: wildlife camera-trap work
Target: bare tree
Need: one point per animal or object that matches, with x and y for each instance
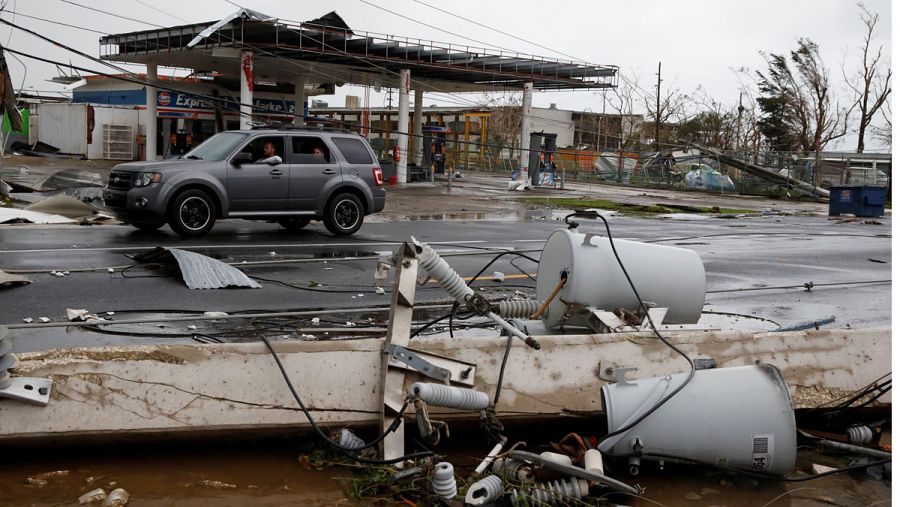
(796, 101)
(871, 85)
(505, 124)
(672, 110)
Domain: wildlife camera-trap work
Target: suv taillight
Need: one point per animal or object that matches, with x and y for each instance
(379, 177)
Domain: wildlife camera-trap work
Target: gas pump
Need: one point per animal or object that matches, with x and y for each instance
(542, 169)
(182, 142)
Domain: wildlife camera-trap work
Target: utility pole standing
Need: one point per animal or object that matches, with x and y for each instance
(658, 86)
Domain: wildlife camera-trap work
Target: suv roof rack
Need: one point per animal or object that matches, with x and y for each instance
(290, 126)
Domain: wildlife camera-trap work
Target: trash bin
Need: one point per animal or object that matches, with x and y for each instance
(859, 200)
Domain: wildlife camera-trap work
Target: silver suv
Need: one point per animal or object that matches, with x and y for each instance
(289, 176)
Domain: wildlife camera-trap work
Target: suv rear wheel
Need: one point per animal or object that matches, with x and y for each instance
(192, 213)
(344, 214)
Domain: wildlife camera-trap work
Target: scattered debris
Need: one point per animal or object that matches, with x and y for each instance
(499, 276)
(28, 320)
(821, 469)
(878, 261)
(53, 474)
(484, 491)
(20, 216)
(872, 222)
(379, 290)
(44, 320)
(315, 321)
(191, 327)
(97, 495)
(58, 274)
(199, 271)
(215, 314)
(116, 498)
(12, 280)
(692, 496)
(33, 482)
(69, 207)
(217, 484)
(444, 482)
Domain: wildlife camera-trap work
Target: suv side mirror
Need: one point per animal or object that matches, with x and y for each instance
(242, 158)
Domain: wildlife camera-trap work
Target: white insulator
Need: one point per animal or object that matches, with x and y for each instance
(555, 492)
(348, 440)
(860, 435)
(443, 273)
(593, 461)
(517, 309)
(444, 482)
(510, 469)
(484, 491)
(439, 395)
(562, 459)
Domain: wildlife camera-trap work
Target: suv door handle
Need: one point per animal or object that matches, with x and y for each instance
(328, 171)
(276, 172)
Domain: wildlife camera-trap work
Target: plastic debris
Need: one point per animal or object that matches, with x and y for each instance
(315, 321)
(110, 270)
(33, 482)
(379, 290)
(215, 314)
(28, 320)
(97, 495)
(350, 324)
(499, 276)
(44, 320)
(116, 498)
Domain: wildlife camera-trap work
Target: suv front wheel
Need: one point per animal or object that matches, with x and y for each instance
(344, 215)
(192, 213)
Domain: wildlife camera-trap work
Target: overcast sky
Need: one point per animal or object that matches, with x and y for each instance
(699, 42)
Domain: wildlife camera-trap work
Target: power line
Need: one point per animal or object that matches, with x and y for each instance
(110, 13)
(15, 13)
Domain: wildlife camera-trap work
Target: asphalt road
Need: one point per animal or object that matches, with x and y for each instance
(774, 253)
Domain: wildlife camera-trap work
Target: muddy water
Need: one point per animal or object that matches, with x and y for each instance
(269, 473)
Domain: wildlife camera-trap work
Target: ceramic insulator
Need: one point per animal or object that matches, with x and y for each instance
(510, 469)
(349, 441)
(484, 491)
(444, 482)
(444, 274)
(554, 492)
(860, 435)
(593, 461)
(517, 309)
(440, 395)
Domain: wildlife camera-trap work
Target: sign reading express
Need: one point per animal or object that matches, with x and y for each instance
(177, 100)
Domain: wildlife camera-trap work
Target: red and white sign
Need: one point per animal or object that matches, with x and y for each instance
(164, 98)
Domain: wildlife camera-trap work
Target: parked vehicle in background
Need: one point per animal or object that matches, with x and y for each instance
(288, 175)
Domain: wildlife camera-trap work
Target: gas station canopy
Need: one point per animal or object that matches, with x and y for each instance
(326, 50)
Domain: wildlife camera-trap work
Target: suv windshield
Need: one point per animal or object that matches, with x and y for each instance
(218, 146)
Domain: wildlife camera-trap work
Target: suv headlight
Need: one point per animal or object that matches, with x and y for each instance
(144, 179)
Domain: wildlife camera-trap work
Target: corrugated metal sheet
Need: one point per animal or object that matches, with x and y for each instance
(202, 272)
(199, 271)
(65, 127)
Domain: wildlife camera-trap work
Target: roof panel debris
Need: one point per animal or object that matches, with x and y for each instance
(199, 271)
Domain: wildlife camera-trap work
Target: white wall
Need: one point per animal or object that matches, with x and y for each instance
(112, 116)
(554, 121)
(64, 126)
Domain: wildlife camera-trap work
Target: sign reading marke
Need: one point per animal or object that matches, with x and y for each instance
(186, 101)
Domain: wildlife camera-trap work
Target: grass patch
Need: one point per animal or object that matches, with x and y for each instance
(580, 204)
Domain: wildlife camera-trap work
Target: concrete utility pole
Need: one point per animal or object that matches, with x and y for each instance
(658, 86)
(246, 118)
(403, 126)
(525, 143)
(150, 143)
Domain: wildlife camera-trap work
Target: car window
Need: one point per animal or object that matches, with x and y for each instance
(309, 150)
(263, 149)
(218, 146)
(353, 150)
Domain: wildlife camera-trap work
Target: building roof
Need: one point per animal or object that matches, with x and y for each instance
(284, 51)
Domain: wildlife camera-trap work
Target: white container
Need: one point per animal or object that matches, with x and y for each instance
(729, 417)
(664, 276)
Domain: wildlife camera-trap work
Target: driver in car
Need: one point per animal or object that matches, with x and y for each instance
(269, 156)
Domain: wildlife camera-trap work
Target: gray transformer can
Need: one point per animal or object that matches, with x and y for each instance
(740, 418)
